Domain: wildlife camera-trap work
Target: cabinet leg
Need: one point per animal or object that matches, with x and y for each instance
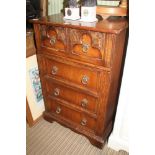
(97, 143)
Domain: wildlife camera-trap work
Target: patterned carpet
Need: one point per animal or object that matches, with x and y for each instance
(53, 139)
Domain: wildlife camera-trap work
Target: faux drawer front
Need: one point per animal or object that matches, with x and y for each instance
(75, 74)
(53, 38)
(80, 119)
(72, 96)
(87, 45)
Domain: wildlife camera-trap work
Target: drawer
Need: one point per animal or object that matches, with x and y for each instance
(73, 73)
(72, 96)
(68, 114)
(87, 46)
(53, 38)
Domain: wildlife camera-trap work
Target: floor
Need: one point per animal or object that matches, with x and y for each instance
(46, 138)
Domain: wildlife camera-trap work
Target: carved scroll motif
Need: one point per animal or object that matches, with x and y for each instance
(77, 37)
(97, 38)
(59, 33)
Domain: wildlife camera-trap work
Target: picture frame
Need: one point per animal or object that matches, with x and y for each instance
(107, 10)
(34, 99)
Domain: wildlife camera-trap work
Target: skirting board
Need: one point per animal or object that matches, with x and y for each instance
(118, 143)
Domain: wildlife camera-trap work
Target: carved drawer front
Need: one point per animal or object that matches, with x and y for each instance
(77, 74)
(73, 97)
(87, 45)
(78, 118)
(53, 38)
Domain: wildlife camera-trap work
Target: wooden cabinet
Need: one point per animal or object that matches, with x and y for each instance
(80, 70)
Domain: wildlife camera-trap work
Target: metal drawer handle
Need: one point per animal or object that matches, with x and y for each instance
(85, 47)
(53, 40)
(83, 122)
(58, 110)
(84, 102)
(56, 92)
(85, 79)
(54, 70)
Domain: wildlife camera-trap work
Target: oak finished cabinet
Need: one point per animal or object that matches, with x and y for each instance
(79, 65)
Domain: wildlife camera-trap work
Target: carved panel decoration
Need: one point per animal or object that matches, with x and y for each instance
(87, 44)
(53, 38)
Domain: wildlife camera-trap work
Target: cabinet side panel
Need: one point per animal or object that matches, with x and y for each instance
(117, 62)
(104, 82)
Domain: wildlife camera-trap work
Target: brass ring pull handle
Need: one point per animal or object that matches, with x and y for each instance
(54, 70)
(58, 110)
(85, 79)
(56, 92)
(83, 122)
(85, 47)
(84, 102)
(53, 40)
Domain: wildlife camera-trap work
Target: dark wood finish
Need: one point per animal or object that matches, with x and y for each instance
(112, 25)
(80, 70)
(30, 46)
(29, 117)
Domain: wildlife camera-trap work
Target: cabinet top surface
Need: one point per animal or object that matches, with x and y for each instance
(111, 25)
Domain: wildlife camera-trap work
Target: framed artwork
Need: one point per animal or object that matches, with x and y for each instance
(107, 8)
(33, 88)
(36, 85)
(108, 2)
